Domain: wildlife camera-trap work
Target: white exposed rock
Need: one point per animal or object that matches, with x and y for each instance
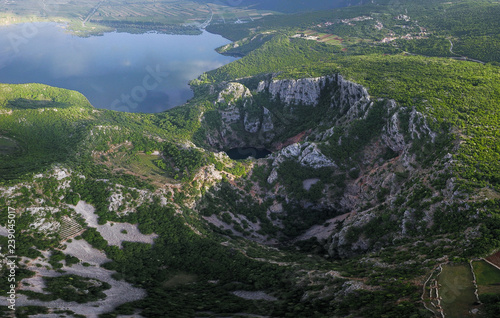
(61, 173)
(418, 126)
(308, 154)
(9, 192)
(85, 252)
(262, 86)
(253, 295)
(392, 135)
(251, 125)
(3, 231)
(339, 244)
(307, 91)
(304, 91)
(233, 92)
(119, 293)
(308, 183)
(230, 115)
(290, 151)
(273, 176)
(311, 156)
(116, 200)
(350, 286)
(407, 218)
(43, 222)
(327, 134)
(112, 231)
(322, 232)
(45, 226)
(209, 174)
(359, 109)
(276, 208)
(267, 122)
(237, 106)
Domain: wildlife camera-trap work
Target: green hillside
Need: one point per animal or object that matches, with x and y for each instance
(384, 173)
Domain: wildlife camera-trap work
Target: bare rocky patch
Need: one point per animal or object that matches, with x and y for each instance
(113, 232)
(121, 292)
(254, 295)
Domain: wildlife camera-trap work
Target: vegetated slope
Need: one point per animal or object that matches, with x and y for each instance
(45, 123)
(289, 6)
(384, 164)
(423, 27)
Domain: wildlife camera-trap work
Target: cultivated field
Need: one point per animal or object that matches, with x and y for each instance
(90, 15)
(457, 290)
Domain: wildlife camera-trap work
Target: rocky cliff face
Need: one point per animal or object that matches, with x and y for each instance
(245, 122)
(240, 116)
(367, 176)
(302, 91)
(307, 154)
(307, 91)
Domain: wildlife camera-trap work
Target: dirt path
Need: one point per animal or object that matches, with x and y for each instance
(463, 57)
(494, 259)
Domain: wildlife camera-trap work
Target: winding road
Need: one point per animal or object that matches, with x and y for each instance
(461, 56)
(92, 12)
(209, 20)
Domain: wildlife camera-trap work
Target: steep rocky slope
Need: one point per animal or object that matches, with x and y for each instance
(372, 161)
(363, 182)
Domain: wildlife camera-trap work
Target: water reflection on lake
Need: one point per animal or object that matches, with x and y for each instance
(120, 71)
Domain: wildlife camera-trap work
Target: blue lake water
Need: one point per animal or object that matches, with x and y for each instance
(119, 71)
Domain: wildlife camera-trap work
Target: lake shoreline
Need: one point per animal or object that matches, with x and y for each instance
(142, 73)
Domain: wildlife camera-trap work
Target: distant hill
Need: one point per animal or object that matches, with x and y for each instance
(289, 6)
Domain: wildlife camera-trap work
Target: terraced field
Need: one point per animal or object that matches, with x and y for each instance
(89, 14)
(69, 228)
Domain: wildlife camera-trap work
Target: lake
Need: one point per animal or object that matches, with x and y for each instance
(247, 152)
(119, 71)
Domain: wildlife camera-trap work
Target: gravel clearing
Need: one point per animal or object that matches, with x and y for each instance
(308, 183)
(130, 316)
(120, 292)
(3, 231)
(254, 295)
(114, 233)
(85, 252)
(46, 316)
(36, 284)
